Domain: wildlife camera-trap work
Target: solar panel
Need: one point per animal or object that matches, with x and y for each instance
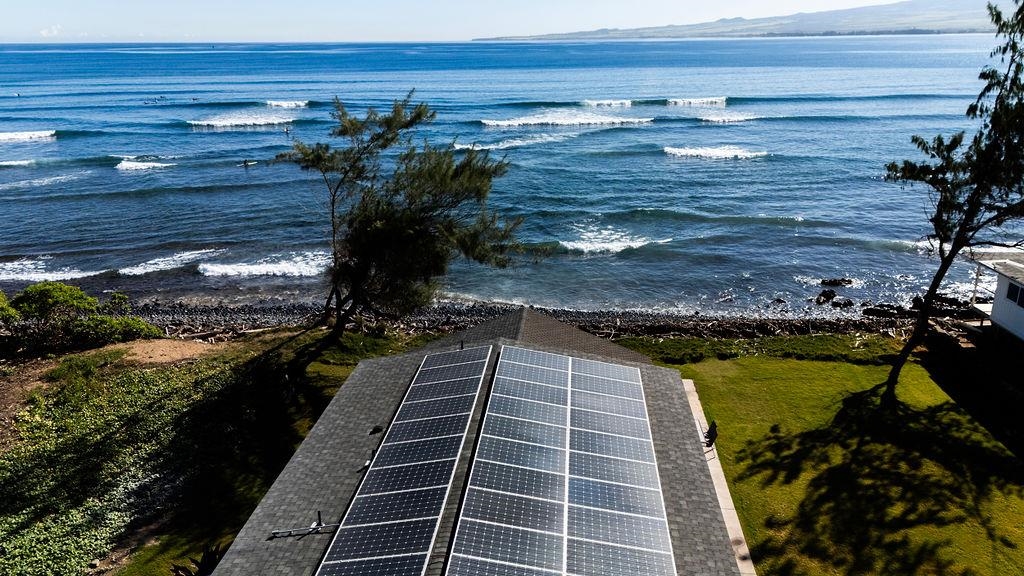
(564, 478)
(390, 527)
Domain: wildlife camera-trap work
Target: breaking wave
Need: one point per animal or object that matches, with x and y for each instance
(26, 136)
(35, 270)
(134, 165)
(727, 118)
(715, 153)
(517, 142)
(288, 103)
(566, 118)
(244, 119)
(168, 262)
(606, 240)
(299, 264)
(16, 163)
(608, 103)
(714, 102)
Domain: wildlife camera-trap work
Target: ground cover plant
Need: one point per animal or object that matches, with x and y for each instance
(825, 481)
(112, 454)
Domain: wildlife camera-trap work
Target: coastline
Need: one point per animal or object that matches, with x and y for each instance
(195, 319)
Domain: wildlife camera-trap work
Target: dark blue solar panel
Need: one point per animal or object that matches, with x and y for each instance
(535, 392)
(616, 371)
(605, 386)
(613, 470)
(411, 565)
(397, 506)
(421, 451)
(535, 358)
(616, 528)
(614, 497)
(432, 408)
(443, 389)
(513, 510)
(521, 454)
(382, 540)
(592, 559)
(510, 544)
(463, 566)
(608, 404)
(610, 424)
(408, 477)
(607, 445)
(533, 374)
(524, 431)
(452, 372)
(527, 409)
(457, 357)
(519, 481)
(430, 428)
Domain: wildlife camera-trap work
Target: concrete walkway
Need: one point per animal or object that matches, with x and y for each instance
(732, 521)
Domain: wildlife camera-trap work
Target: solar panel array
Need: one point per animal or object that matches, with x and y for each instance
(564, 480)
(391, 525)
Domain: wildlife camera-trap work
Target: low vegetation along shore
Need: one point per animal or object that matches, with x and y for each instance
(157, 450)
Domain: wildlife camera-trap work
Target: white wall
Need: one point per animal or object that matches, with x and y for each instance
(1009, 315)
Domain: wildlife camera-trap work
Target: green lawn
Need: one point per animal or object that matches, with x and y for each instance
(825, 482)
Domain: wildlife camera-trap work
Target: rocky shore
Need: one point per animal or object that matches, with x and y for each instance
(219, 321)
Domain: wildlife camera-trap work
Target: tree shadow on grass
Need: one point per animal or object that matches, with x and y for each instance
(873, 474)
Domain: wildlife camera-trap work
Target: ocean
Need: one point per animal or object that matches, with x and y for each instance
(719, 176)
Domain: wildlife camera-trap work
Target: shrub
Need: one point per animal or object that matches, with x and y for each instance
(99, 330)
(8, 315)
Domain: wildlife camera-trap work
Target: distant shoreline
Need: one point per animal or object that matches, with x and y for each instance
(768, 35)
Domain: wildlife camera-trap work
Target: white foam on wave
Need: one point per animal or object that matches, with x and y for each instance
(168, 262)
(16, 163)
(132, 165)
(35, 270)
(295, 264)
(566, 118)
(715, 153)
(243, 119)
(713, 102)
(606, 240)
(48, 181)
(727, 118)
(288, 103)
(26, 136)
(608, 103)
(517, 142)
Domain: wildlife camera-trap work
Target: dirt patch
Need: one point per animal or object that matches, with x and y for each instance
(168, 351)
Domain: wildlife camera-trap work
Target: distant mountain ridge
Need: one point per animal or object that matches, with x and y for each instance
(907, 17)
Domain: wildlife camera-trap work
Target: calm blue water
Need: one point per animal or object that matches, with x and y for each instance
(711, 174)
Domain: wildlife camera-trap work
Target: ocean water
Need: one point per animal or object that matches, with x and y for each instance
(728, 176)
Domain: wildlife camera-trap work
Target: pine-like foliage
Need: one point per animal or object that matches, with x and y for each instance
(401, 213)
(976, 184)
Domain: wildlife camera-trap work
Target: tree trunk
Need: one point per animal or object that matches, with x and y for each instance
(920, 328)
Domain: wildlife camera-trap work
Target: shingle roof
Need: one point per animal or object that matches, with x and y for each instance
(325, 471)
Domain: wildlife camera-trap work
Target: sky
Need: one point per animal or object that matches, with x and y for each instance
(362, 20)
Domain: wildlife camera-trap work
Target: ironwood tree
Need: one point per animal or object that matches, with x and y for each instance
(976, 185)
(401, 213)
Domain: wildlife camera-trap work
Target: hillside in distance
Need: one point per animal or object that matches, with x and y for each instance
(907, 17)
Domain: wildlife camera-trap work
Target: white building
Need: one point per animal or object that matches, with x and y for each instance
(1008, 306)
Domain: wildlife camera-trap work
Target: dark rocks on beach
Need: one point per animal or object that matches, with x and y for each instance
(224, 321)
(843, 303)
(837, 282)
(825, 297)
